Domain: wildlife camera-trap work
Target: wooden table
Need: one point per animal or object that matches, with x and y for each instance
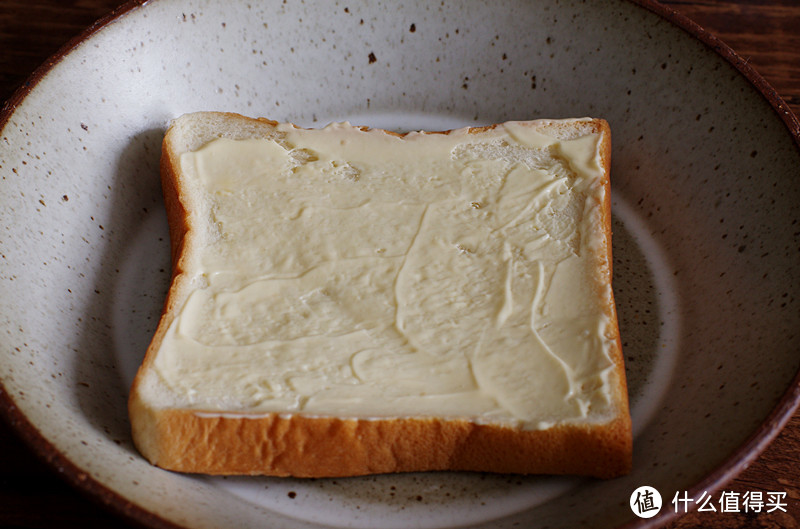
(766, 33)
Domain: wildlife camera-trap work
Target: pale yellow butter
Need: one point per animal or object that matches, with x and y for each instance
(360, 274)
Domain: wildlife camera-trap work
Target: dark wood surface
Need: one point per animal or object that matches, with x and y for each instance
(766, 33)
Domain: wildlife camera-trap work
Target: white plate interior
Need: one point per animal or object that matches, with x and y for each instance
(700, 168)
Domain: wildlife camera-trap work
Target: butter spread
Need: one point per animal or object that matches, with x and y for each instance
(352, 273)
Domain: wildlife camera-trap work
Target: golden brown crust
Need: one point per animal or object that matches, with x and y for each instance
(621, 387)
(295, 445)
(299, 446)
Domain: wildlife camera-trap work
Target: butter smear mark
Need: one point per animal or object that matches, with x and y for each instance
(355, 273)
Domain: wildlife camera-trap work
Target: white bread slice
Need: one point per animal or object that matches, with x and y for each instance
(204, 408)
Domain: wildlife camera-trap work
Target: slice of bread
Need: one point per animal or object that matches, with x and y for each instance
(349, 301)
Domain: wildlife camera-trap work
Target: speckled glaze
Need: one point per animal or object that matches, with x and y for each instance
(706, 201)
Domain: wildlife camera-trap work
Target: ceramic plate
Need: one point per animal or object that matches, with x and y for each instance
(706, 205)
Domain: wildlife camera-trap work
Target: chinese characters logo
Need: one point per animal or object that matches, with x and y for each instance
(645, 502)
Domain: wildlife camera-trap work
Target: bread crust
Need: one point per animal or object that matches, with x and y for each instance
(212, 442)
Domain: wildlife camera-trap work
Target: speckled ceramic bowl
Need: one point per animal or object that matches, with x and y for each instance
(706, 201)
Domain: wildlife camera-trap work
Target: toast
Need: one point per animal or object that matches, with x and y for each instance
(349, 301)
